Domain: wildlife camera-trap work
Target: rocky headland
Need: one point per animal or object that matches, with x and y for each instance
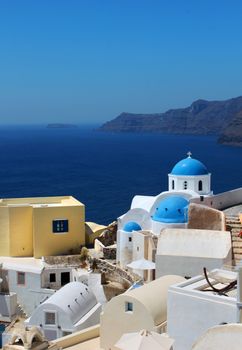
(222, 118)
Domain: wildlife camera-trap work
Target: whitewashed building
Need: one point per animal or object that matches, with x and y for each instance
(185, 252)
(194, 306)
(33, 282)
(72, 308)
(144, 307)
(188, 182)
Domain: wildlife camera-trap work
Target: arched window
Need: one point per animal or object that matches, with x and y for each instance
(185, 185)
(200, 185)
(173, 185)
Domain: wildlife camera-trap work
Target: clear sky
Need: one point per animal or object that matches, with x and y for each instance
(89, 60)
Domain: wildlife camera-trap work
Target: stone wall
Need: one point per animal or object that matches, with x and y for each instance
(115, 273)
(63, 260)
(235, 227)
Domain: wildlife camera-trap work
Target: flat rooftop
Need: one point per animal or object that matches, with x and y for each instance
(22, 264)
(233, 211)
(218, 278)
(40, 202)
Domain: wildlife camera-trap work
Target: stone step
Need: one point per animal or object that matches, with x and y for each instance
(232, 218)
(231, 224)
(238, 256)
(235, 234)
(237, 251)
(237, 243)
(238, 227)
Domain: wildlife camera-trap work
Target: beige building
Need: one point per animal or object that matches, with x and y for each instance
(92, 231)
(41, 226)
(140, 308)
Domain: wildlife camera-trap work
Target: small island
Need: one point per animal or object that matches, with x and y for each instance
(61, 126)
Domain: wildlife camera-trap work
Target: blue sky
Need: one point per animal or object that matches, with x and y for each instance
(86, 61)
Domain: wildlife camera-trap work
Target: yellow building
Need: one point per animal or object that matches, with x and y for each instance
(41, 226)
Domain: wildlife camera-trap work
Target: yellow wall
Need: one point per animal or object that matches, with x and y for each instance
(21, 228)
(26, 226)
(4, 232)
(46, 242)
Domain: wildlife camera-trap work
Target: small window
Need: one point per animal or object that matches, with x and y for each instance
(185, 185)
(130, 239)
(137, 249)
(21, 278)
(50, 318)
(52, 277)
(201, 198)
(173, 184)
(60, 226)
(128, 307)
(200, 185)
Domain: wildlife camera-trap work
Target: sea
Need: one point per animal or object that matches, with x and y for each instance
(104, 170)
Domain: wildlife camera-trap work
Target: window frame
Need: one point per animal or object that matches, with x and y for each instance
(64, 226)
(52, 274)
(129, 307)
(53, 312)
(19, 273)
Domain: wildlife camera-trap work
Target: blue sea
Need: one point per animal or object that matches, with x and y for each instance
(104, 170)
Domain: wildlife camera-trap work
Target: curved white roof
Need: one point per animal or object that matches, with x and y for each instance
(75, 299)
(143, 202)
(222, 337)
(154, 296)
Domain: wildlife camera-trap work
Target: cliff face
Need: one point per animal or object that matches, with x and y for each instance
(232, 134)
(201, 118)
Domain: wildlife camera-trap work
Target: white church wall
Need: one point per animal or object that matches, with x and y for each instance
(124, 247)
(221, 200)
(192, 183)
(138, 215)
(157, 226)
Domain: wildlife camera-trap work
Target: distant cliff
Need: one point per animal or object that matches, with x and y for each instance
(232, 134)
(201, 118)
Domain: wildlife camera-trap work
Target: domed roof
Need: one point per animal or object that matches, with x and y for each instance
(189, 166)
(131, 226)
(172, 209)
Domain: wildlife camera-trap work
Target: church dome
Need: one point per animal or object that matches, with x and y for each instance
(189, 166)
(131, 226)
(172, 209)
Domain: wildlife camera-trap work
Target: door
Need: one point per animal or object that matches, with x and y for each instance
(65, 278)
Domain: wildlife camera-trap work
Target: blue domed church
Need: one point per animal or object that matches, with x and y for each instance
(188, 181)
(190, 174)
